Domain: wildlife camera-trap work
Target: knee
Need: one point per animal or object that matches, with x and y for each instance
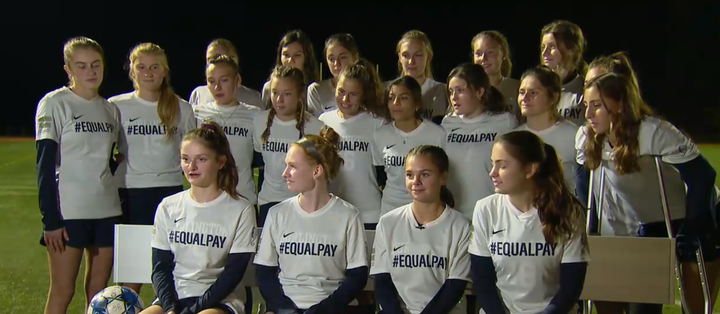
(62, 291)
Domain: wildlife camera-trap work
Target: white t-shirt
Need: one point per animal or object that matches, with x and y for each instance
(421, 260)
(201, 236)
(571, 105)
(201, 95)
(356, 181)
(634, 199)
(85, 131)
(150, 159)
(321, 97)
(391, 147)
(282, 134)
(312, 250)
(237, 122)
(469, 144)
(560, 136)
(527, 267)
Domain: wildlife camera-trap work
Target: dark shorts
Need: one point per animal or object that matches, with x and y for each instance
(85, 233)
(263, 212)
(139, 205)
(686, 248)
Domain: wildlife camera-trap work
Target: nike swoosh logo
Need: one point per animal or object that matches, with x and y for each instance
(181, 218)
(285, 235)
(328, 108)
(455, 129)
(496, 232)
(78, 117)
(390, 146)
(397, 248)
(133, 120)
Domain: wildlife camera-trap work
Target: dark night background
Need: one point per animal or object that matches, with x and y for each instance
(670, 42)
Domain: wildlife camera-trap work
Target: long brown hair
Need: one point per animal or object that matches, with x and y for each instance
(618, 63)
(551, 82)
(311, 68)
(561, 213)
(474, 75)
(168, 108)
(571, 43)
(625, 123)
(212, 136)
(296, 75)
(323, 150)
(364, 72)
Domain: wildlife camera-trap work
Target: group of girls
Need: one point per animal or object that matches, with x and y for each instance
(476, 179)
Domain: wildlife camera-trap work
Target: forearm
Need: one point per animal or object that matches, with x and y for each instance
(484, 284)
(162, 279)
(227, 282)
(47, 151)
(447, 298)
(355, 281)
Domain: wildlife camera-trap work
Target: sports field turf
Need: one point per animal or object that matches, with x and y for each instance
(23, 262)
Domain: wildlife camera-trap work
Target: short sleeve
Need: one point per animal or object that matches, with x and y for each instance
(580, 139)
(356, 252)
(314, 126)
(479, 239)
(442, 135)
(48, 120)
(189, 122)
(259, 129)
(120, 139)
(160, 233)
(674, 147)
(246, 234)
(194, 97)
(379, 259)
(576, 250)
(265, 93)
(459, 267)
(267, 255)
(376, 150)
(314, 103)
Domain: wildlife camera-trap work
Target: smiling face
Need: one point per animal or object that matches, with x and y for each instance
(423, 179)
(487, 53)
(348, 94)
(508, 174)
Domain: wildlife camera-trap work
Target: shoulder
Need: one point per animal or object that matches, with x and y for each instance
(344, 206)
(489, 206)
(568, 126)
(522, 127)
(433, 128)
(314, 86)
(391, 218)
(184, 105)
(328, 115)
(581, 134)
(202, 89)
(173, 202)
(459, 221)
(240, 202)
(313, 123)
(245, 89)
(58, 94)
(450, 118)
(261, 117)
(122, 98)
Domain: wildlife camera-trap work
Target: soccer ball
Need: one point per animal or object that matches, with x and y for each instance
(115, 300)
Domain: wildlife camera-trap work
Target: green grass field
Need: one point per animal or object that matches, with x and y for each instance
(23, 262)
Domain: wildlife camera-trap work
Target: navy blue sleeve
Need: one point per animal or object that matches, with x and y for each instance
(582, 190)
(226, 283)
(484, 284)
(386, 294)
(699, 176)
(447, 298)
(163, 282)
(258, 162)
(47, 152)
(354, 283)
(380, 175)
(572, 279)
(113, 162)
(271, 289)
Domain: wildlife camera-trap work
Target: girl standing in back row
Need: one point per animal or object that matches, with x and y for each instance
(341, 50)
(154, 120)
(76, 132)
(394, 140)
(415, 55)
(479, 115)
(295, 50)
(491, 51)
(202, 94)
(360, 108)
(561, 49)
(275, 129)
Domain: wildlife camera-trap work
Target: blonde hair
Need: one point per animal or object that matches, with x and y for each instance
(425, 40)
(499, 38)
(76, 43)
(168, 107)
(227, 45)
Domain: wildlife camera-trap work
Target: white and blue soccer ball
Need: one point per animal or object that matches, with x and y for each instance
(115, 300)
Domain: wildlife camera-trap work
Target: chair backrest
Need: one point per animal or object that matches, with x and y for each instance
(631, 269)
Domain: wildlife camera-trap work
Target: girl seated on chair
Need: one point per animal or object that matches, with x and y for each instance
(427, 227)
(312, 257)
(203, 237)
(529, 248)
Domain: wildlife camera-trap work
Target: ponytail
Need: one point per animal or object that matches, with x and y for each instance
(446, 196)
(560, 212)
(168, 108)
(297, 76)
(323, 150)
(213, 137)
